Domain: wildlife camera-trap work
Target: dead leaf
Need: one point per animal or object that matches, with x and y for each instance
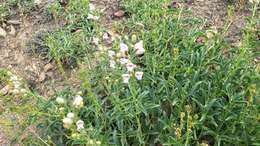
(42, 77)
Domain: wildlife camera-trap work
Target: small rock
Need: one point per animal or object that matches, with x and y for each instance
(48, 67)
(42, 77)
(119, 13)
(2, 32)
(50, 74)
(4, 25)
(13, 31)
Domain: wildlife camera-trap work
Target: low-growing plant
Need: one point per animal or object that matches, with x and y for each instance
(71, 42)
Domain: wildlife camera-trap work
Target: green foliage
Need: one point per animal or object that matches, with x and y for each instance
(76, 11)
(71, 42)
(3, 76)
(67, 47)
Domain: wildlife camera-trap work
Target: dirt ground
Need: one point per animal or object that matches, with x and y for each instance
(14, 54)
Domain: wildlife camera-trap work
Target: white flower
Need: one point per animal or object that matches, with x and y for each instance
(80, 124)
(111, 53)
(70, 115)
(123, 48)
(23, 91)
(91, 142)
(98, 142)
(95, 41)
(61, 109)
(91, 7)
(112, 64)
(134, 38)
(139, 75)
(60, 100)
(102, 48)
(254, 1)
(123, 61)
(67, 122)
(13, 78)
(37, 2)
(130, 66)
(126, 78)
(15, 91)
(78, 101)
(139, 48)
(92, 17)
(17, 84)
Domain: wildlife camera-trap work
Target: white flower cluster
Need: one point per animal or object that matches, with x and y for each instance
(123, 58)
(17, 84)
(68, 122)
(91, 15)
(77, 102)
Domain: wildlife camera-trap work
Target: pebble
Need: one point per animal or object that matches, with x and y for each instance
(2, 32)
(119, 13)
(13, 31)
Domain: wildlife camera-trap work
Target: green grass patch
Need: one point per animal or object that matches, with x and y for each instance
(70, 43)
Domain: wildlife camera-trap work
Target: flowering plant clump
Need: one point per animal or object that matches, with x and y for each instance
(170, 84)
(69, 110)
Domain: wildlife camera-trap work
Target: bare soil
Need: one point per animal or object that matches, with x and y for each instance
(216, 13)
